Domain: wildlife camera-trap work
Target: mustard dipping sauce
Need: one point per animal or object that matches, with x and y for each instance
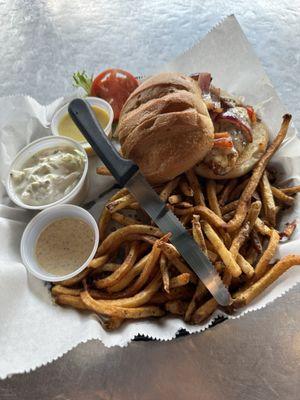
(67, 127)
(64, 245)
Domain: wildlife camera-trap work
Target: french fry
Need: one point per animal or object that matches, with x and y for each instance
(256, 242)
(174, 257)
(123, 219)
(184, 205)
(168, 189)
(175, 199)
(176, 307)
(132, 274)
(114, 240)
(103, 171)
(281, 196)
(71, 301)
(164, 272)
(182, 292)
(120, 203)
(237, 191)
(245, 297)
(57, 290)
(195, 185)
(240, 239)
(99, 261)
(267, 199)
(112, 323)
(227, 191)
(229, 207)
(267, 256)
(220, 248)
(185, 188)
(219, 187)
(289, 229)
(76, 279)
(212, 197)
(198, 295)
(179, 280)
(253, 213)
(106, 215)
(251, 256)
(204, 311)
(117, 275)
(198, 234)
(209, 216)
(258, 170)
(291, 190)
(247, 268)
(262, 228)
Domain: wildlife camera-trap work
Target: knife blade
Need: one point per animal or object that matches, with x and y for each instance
(127, 174)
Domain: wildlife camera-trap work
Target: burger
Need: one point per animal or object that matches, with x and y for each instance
(172, 122)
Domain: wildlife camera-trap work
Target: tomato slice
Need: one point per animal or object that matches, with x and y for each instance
(114, 86)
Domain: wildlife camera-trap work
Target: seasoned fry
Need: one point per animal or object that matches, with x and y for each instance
(267, 256)
(253, 213)
(174, 257)
(113, 241)
(240, 239)
(57, 290)
(176, 307)
(195, 185)
(111, 324)
(99, 261)
(123, 219)
(198, 295)
(185, 188)
(247, 268)
(76, 279)
(71, 301)
(267, 199)
(220, 248)
(281, 196)
(180, 280)
(184, 204)
(212, 197)
(120, 203)
(246, 296)
(256, 242)
(229, 207)
(182, 292)
(117, 275)
(198, 234)
(291, 190)
(103, 171)
(168, 189)
(204, 311)
(262, 228)
(237, 191)
(164, 272)
(289, 229)
(175, 199)
(106, 216)
(127, 279)
(209, 216)
(227, 191)
(227, 217)
(258, 170)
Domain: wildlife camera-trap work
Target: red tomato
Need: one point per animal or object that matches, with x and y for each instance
(114, 86)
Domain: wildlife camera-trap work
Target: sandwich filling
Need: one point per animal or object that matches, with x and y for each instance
(233, 125)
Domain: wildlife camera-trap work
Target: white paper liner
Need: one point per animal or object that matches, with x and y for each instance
(33, 330)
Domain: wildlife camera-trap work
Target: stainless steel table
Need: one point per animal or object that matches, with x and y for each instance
(41, 44)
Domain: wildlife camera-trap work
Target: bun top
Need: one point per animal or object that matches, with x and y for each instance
(164, 126)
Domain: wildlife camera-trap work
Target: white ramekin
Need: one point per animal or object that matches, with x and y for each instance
(35, 227)
(93, 101)
(77, 194)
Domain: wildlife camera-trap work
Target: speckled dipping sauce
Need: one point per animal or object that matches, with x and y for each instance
(64, 245)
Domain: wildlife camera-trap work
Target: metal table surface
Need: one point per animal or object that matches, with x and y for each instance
(41, 44)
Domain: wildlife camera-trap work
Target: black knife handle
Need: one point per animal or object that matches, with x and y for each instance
(84, 117)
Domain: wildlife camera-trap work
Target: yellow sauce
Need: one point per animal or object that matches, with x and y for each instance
(66, 126)
(64, 245)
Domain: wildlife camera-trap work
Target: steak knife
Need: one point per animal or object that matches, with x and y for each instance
(127, 174)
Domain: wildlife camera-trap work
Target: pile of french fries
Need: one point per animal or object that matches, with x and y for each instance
(138, 273)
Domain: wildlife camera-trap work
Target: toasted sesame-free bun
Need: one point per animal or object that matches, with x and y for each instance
(164, 126)
(246, 161)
